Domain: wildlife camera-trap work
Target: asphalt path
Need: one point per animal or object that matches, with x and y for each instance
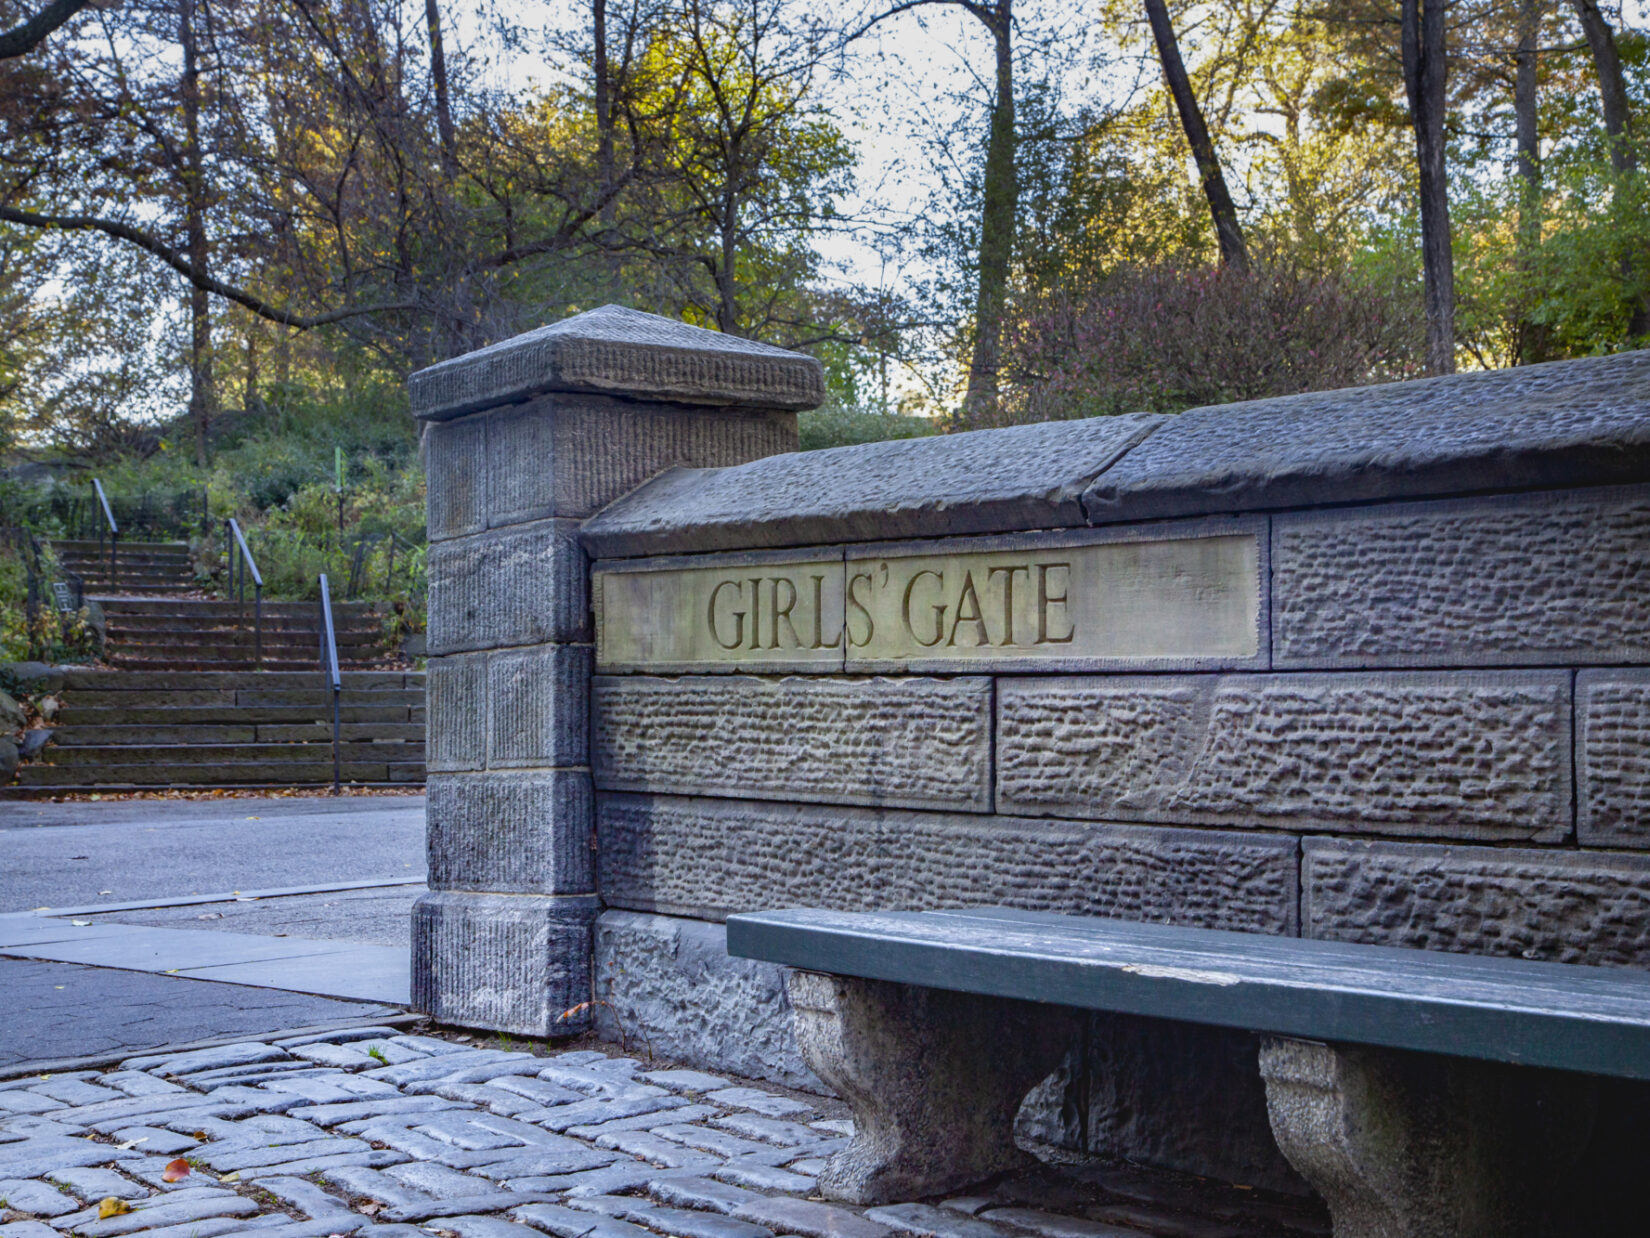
(82, 854)
(86, 854)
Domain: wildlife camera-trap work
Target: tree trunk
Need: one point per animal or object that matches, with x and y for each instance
(443, 97)
(1618, 125)
(604, 141)
(201, 395)
(1612, 87)
(1532, 336)
(1424, 82)
(727, 285)
(1233, 251)
(998, 217)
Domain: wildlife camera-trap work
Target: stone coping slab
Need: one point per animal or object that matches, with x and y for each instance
(1565, 423)
(1022, 477)
(1562, 424)
(622, 352)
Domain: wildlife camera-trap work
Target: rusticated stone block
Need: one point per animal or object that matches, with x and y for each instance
(623, 352)
(514, 833)
(1567, 423)
(507, 962)
(1529, 579)
(905, 742)
(456, 698)
(669, 983)
(455, 453)
(1613, 758)
(523, 586)
(539, 706)
(1562, 906)
(606, 448)
(987, 481)
(711, 858)
(1461, 755)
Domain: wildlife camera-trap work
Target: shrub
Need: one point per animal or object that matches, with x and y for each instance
(1166, 338)
(839, 426)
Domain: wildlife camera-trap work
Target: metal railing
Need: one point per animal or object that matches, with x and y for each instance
(114, 534)
(329, 667)
(240, 555)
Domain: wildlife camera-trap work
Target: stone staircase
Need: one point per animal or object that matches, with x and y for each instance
(133, 730)
(140, 568)
(202, 634)
(190, 704)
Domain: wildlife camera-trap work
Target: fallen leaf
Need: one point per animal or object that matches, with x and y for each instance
(176, 1171)
(234, 1177)
(112, 1207)
(371, 1210)
(171, 971)
(200, 1135)
(131, 1143)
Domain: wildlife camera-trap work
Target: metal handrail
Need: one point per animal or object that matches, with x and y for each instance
(114, 534)
(329, 667)
(237, 542)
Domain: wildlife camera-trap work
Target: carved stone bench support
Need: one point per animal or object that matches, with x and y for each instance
(934, 1078)
(1413, 1145)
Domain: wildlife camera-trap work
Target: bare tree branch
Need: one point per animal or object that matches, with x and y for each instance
(20, 40)
(181, 264)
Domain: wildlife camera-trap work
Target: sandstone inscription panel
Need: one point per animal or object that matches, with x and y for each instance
(1163, 598)
(726, 613)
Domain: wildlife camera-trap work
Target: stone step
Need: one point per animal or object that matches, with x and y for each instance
(121, 608)
(98, 680)
(156, 628)
(184, 662)
(280, 773)
(76, 735)
(235, 715)
(304, 642)
(126, 554)
(84, 545)
(119, 591)
(153, 698)
(161, 755)
(139, 572)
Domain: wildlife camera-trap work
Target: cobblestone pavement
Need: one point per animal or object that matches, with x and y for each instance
(386, 1135)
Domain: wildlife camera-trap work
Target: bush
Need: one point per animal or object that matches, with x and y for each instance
(1167, 338)
(839, 426)
(46, 635)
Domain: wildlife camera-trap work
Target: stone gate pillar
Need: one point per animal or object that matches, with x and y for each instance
(526, 439)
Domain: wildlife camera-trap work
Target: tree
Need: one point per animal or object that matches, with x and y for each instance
(999, 205)
(747, 166)
(1425, 84)
(1618, 125)
(1532, 336)
(1233, 251)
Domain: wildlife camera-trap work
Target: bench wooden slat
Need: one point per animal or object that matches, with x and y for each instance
(1569, 1017)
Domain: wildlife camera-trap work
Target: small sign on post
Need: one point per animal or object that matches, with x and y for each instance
(338, 483)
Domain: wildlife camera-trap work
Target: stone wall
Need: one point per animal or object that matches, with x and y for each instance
(1360, 665)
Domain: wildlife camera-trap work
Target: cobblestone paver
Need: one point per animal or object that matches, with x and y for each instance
(384, 1135)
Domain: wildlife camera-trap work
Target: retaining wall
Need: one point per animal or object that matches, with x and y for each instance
(1365, 665)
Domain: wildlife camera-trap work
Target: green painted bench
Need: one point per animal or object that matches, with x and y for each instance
(1421, 1093)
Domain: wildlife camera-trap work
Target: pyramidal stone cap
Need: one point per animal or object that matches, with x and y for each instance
(620, 352)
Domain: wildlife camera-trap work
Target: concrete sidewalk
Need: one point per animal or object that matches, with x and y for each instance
(127, 925)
